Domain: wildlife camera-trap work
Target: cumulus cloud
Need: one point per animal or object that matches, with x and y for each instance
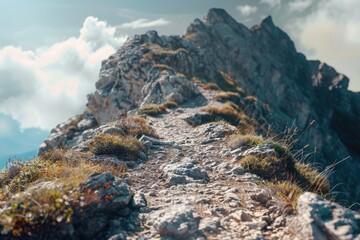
(272, 3)
(145, 23)
(43, 87)
(247, 10)
(299, 5)
(331, 33)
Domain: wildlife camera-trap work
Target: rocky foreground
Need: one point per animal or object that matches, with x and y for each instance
(184, 139)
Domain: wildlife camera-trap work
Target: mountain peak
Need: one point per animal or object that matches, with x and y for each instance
(268, 21)
(218, 15)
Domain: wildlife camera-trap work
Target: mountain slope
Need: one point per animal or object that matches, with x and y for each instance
(261, 60)
(220, 133)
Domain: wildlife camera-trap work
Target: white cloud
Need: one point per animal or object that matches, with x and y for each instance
(272, 3)
(145, 23)
(331, 33)
(44, 87)
(300, 5)
(247, 10)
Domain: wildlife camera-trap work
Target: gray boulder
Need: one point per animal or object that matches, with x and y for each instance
(320, 219)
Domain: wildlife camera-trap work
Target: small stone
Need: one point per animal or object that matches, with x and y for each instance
(242, 216)
(210, 225)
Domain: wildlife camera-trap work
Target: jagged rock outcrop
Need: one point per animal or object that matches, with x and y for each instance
(262, 74)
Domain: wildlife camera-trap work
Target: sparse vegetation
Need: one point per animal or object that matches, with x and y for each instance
(152, 109)
(284, 173)
(126, 147)
(44, 193)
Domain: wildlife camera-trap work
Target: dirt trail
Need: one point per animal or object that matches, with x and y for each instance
(228, 202)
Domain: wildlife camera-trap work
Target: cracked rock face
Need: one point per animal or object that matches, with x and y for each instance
(321, 219)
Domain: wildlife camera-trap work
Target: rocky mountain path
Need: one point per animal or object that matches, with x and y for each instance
(195, 189)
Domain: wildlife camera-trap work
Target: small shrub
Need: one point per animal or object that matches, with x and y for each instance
(152, 109)
(106, 144)
(171, 104)
(211, 86)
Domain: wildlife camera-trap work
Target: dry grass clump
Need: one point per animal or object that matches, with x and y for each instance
(164, 51)
(247, 140)
(44, 193)
(152, 109)
(228, 83)
(105, 144)
(287, 191)
(136, 126)
(210, 86)
(310, 179)
(227, 113)
(228, 96)
(196, 80)
(171, 104)
(250, 99)
(270, 167)
(163, 66)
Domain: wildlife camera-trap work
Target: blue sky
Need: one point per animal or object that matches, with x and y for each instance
(51, 50)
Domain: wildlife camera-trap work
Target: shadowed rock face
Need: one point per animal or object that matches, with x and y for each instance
(262, 60)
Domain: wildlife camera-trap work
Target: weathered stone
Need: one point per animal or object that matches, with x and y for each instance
(210, 225)
(262, 197)
(320, 219)
(185, 173)
(178, 221)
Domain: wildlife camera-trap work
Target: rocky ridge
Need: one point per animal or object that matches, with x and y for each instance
(188, 183)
